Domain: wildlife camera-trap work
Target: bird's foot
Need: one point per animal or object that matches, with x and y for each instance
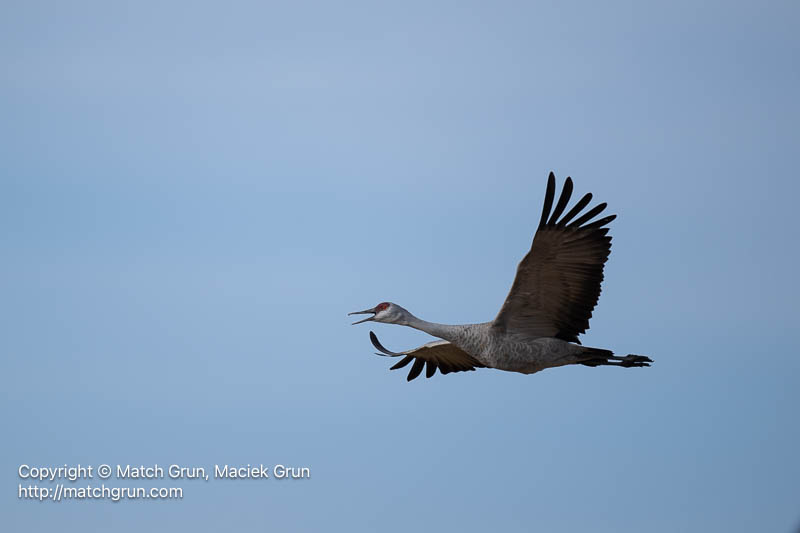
(632, 360)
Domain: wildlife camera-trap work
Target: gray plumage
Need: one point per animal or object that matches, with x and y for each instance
(549, 305)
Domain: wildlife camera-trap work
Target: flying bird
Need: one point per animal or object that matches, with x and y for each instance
(550, 303)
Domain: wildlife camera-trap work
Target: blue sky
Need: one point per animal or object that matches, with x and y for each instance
(194, 194)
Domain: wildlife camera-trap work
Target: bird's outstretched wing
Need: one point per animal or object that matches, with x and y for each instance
(438, 354)
(558, 282)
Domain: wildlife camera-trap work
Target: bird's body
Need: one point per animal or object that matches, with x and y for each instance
(514, 352)
(549, 305)
(517, 352)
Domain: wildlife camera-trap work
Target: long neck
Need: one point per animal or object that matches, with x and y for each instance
(443, 331)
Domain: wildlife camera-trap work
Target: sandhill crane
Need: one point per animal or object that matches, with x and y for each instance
(550, 303)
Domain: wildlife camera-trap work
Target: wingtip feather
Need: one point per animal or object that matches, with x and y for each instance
(416, 369)
(548, 199)
(563, 200)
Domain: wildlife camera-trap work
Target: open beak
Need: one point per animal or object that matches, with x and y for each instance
(364, 312)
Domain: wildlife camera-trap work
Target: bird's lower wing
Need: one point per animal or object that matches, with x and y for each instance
(438, 354)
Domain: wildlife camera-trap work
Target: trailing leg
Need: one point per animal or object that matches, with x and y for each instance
(599, 357)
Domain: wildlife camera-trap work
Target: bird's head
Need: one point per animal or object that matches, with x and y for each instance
(384, 312)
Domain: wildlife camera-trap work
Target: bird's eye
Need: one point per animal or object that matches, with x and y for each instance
(382, 306)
